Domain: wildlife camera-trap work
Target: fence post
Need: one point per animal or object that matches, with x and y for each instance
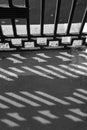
(83, 22)
(27, 5)
(12, 19)
(71, 16)
(58, 4)
(1, 34)
(42, 16)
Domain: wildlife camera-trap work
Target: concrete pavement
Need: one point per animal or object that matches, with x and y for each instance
(43, 90)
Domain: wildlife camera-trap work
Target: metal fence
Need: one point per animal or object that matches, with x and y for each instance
(42, 40)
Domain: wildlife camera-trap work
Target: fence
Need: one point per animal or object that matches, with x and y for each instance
(41, 41)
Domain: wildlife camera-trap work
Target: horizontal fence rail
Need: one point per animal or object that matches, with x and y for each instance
(14, 41)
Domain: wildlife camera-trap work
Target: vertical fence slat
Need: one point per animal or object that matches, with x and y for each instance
(26, 15)
(83, 22)
(57, 12)
(12, 20)
(27, 5)
(42, 15)
(1, 34)
(71, 16)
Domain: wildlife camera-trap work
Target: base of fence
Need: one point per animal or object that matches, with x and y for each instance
(42, 44)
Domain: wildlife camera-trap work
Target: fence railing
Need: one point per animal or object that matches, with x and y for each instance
(42, 40)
